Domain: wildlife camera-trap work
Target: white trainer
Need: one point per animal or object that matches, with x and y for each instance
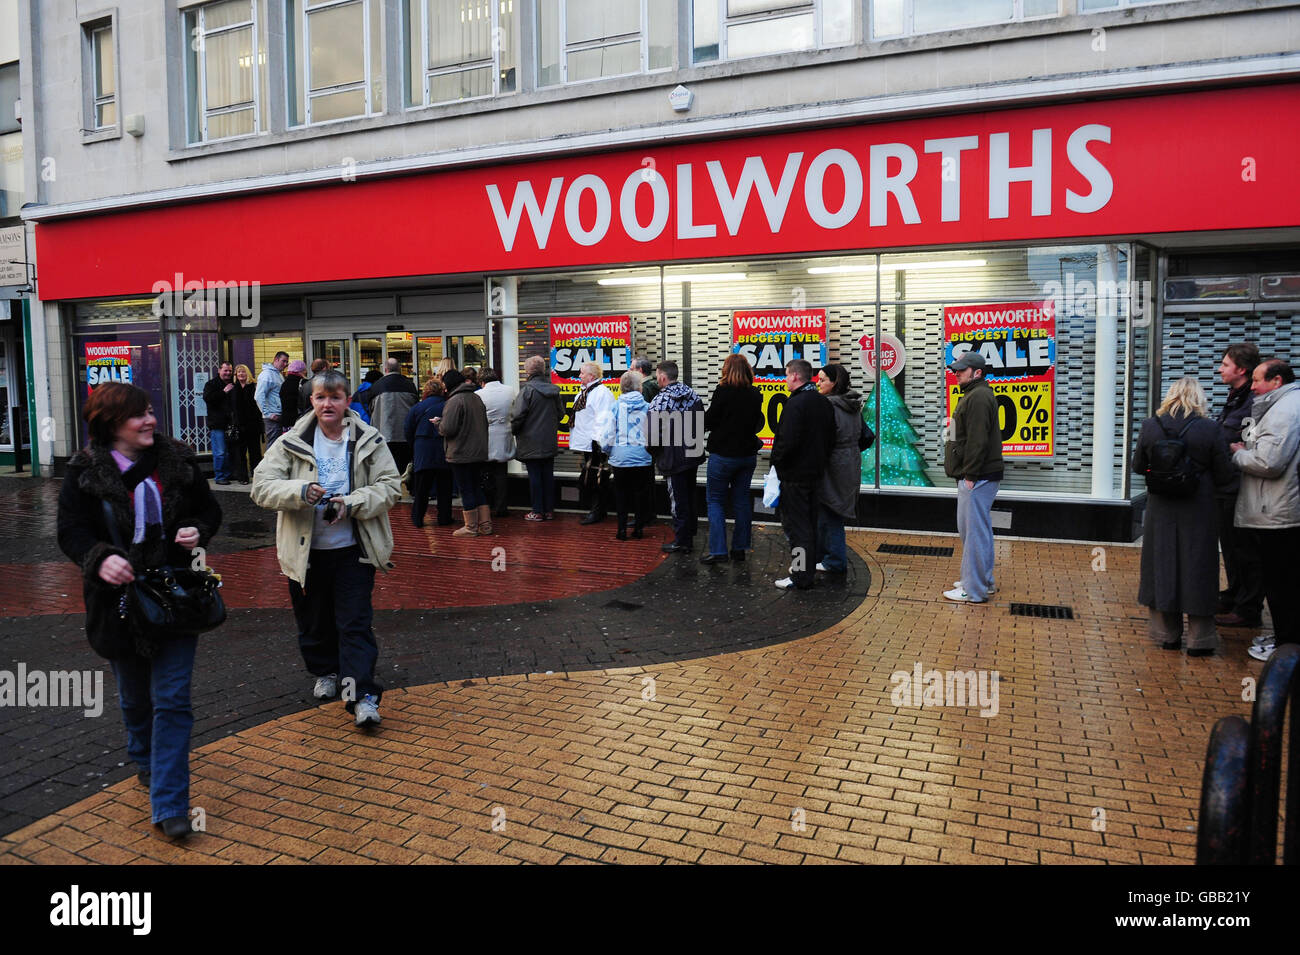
(1266, 639)
(961, 596)
(785, 583)
(960, 586)
(367, 710)
(327, 687)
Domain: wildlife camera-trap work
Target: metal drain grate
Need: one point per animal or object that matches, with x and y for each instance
(1042, 610)
(913, 550)
(624, 605)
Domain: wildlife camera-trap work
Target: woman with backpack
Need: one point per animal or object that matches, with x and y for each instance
(1182, 454)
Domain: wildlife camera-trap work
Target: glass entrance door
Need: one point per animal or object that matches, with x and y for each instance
(428, 352)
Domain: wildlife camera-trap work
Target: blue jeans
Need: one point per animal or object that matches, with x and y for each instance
(831, 546)
(469, 477)
(220, 460)
(155, 699)
(728, 478)
(975, 525)
(541, 484)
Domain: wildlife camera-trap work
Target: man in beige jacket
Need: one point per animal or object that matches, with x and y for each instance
(333, 481)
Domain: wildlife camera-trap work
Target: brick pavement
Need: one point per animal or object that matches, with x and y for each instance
(789, 752)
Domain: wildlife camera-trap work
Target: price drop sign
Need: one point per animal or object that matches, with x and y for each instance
(1018, 340)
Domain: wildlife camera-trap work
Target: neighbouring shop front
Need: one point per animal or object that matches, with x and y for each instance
(1048, 238)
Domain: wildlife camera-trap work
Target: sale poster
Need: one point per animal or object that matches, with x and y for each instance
(107, 361)
(770, 340)
(606, 340)
(1018, 340)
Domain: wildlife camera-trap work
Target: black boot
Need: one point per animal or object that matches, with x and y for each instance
(594, 516)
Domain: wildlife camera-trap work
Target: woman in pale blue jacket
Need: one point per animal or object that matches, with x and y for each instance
(625, 439)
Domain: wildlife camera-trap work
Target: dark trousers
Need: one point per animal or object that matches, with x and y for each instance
(334, 616)
(541, 484)
(799, 506)
(497, 486)
(681, 495)
(249, 446)
(469, 478)
(594, 481)
(402, 453)
(1277, 553)
(632, 494)
(1245, 593)
(435, 481)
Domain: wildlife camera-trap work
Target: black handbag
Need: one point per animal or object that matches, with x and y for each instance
(165, 602)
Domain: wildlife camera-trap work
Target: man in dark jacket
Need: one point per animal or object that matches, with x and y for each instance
(973, 456)
(803, 441)
(676, 441)
(649, 382)
(388, 402)
(219, 395)
(1242, 604)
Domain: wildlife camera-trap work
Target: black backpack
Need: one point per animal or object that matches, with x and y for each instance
(1171, 472)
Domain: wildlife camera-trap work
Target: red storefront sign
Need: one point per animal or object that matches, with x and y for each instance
(1171, 163)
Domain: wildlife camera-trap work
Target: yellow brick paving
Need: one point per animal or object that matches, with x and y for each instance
(789, 754)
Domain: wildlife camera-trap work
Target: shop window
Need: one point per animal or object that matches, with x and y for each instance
(11, 174)
(335, 59)
(732, 29)
(1225, 289)
(580, 40)
(460, 49)
(890, 18)
(98, 79)
(226, 72)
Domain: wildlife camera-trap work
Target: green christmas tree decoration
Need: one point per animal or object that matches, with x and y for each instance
(901, 465)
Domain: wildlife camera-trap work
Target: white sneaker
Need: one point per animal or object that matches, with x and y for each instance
(785, 583)
(1262, 653)
(821, 568)
(960, 586)
(961, 596)
(1266, 639)
(327, 687)
(367, 710)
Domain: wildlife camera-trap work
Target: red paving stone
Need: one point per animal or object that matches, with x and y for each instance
(546, 561)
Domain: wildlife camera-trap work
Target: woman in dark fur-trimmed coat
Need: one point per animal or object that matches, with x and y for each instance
(162, 505)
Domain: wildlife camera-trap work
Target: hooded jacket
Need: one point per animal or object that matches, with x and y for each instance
(535, 419)
(464, 426)
(280, 483)
(1269, 498)
(843, 477)
(626, 434)
(676, 429)
(92, 478)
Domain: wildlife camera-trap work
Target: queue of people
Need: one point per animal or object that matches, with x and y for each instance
(1230, 483)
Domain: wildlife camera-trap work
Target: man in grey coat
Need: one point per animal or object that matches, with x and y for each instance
(388, 402)
(1268, 504)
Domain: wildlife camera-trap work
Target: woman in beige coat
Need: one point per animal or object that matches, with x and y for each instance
(333, 481)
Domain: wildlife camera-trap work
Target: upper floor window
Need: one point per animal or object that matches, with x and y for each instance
(581, 40)
(335, 58)
(1091, 6)
(103, 76)
(460, 49)
(226, 74)
(905, 17)
(731, 29)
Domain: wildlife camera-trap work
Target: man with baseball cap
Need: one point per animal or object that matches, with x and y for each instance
(973, 456)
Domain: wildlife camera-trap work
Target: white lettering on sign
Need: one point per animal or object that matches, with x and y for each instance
(753, 175)
(580, 329)
(832, 177)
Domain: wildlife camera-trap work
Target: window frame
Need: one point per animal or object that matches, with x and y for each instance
(199, 102)
(566, 48)
(816, 7)
(91, 99)
(493, 61)
(1017, 16)
(365, 86)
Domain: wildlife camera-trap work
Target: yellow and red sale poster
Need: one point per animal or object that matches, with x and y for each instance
(1018, 340)
(770, 339)
(606, 340)
(107, 361)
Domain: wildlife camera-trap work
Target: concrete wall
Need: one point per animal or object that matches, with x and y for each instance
(149, 47)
